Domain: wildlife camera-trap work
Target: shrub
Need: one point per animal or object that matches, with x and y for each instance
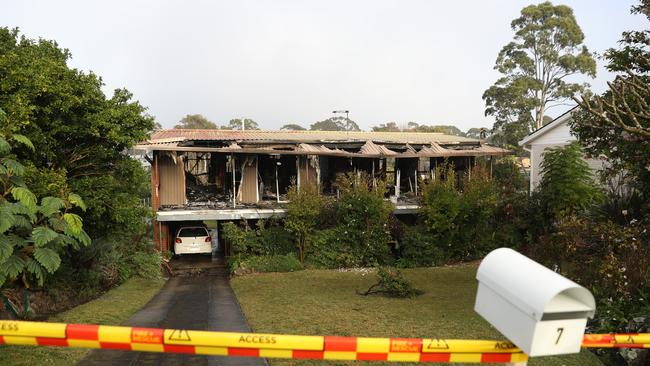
(517, 220)
(612, 260)
(274, 238)
(567, 185)
(147, 264)
(508, 175)
(303, 213)
(460, 223)
(392, 283)
(241, 239)
(361, 215)
(114, 259)
(268, 238)
(270, 263)
(441, 207)
(325, 250)
(355, 228)
(418, 248)
(476, 218)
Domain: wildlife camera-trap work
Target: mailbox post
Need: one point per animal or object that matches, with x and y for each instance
(540, 311)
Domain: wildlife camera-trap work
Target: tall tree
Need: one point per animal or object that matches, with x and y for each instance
(196, 121)
(416, 127)
(546, 52)
(478, 133)
(387, 127)
(292, 127)
(617, 123)
(446, 129)
(335, 124)
(235, 124)
(79, 133)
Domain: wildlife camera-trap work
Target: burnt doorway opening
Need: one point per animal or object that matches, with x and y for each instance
(277, 172)
(406, 177)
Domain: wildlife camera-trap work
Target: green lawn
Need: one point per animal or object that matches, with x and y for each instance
(324, 302)
(114, 307)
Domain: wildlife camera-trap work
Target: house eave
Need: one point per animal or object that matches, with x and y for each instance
(545, 129)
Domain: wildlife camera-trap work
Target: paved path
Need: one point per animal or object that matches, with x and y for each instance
(201, 302)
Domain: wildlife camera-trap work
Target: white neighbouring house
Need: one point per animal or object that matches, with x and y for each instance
(557, 133)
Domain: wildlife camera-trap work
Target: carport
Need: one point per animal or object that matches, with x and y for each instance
(168, 223)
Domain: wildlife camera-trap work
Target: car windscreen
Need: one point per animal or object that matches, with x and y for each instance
(192, 232)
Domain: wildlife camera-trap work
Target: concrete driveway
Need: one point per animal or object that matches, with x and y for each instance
(200, 302)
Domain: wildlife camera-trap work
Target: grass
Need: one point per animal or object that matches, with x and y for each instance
(113, 308)
(324, 302)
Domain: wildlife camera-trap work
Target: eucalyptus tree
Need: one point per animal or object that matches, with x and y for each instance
(292, 127)
(540, 68)
(196, 121)
(236, 124)
(335, 124)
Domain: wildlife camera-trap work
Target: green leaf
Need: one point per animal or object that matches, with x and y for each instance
(56, 223)
(51, 205)
(19, 209)
(69, 240)
(48, 259)
(42, 235)
(36, 269)
(76, 200)
(24, 140)
(22, 223)
(16, 181)
(12, 266)
(75, 224)
(4, 146)
(84, 238)
(17, 241)
(24, 196)
(13, 166)
(6, 247)
(7, 219)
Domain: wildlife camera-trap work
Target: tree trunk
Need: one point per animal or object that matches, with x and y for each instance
(301, 250)
(539, 117)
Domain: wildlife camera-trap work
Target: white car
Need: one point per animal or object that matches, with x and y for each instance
(193, 239)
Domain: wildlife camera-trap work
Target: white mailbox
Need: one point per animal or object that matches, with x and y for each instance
(537, 309)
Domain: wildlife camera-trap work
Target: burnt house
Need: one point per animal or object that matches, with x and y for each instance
(224, 175)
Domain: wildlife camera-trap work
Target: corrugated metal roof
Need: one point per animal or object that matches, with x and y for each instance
(312, 143)
(313, 149)
(307, 136)
(435, 150)
(485, 150)
(376, 152)
(372, 149)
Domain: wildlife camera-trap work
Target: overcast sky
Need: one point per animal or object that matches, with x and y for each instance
(295, 61)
